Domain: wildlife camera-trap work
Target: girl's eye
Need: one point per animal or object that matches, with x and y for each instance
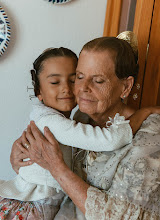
(72, 81)
(53, 83)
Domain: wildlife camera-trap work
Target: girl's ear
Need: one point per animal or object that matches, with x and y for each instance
(40, 97)
(128, 84)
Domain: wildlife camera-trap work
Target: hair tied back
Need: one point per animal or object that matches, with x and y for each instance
(33, 74)
(131, 38)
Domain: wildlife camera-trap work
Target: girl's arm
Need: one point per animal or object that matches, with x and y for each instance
(87, 137)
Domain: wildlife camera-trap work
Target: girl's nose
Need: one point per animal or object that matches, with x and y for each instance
(66, 88)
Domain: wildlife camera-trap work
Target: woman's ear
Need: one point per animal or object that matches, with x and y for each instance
(128, 84)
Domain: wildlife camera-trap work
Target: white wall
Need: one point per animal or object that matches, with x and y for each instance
(35, 26)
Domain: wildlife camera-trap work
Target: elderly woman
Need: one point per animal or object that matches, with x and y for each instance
(123, 184)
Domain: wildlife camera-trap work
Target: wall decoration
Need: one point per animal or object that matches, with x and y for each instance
(59, 1)
(5, 31)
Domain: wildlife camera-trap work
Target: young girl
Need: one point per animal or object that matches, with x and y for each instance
(34, 194)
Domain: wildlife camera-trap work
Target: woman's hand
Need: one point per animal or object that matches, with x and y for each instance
(44, 150)
(19, 153)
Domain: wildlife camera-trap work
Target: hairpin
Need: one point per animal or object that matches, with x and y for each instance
(131, 38)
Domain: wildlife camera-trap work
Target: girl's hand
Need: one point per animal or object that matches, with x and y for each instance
(44, 150)
(155, 109)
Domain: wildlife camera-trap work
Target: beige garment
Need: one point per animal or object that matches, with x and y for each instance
(129, 178)
(100, 206)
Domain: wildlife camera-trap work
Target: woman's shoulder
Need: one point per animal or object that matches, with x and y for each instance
(145, 148)
(137, 176)
(128, 111)
(151, 124)
(147, 140)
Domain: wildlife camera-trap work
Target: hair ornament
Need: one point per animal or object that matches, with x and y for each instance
(33, 74)
(131, 38)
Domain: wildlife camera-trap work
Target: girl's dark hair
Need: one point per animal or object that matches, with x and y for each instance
(126, 63)
(38, 63)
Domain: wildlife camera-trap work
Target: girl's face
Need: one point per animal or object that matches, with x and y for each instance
(57, 83)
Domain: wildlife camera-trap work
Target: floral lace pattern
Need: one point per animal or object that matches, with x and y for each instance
(130, 177)
(101, 170)
(100, 206)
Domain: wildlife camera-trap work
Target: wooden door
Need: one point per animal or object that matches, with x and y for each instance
(151, 85)
(147, 28)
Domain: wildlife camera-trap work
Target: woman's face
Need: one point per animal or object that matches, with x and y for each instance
(97, 88)
(57, 83)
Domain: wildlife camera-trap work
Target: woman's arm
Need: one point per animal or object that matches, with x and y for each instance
(46, 152)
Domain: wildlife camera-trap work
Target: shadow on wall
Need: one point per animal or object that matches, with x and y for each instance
(12, 43)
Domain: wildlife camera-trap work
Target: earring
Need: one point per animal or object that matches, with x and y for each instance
(124, 97)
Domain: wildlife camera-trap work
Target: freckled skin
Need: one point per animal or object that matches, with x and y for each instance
(97, 88)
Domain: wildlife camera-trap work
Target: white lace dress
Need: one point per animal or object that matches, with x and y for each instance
(125, 184)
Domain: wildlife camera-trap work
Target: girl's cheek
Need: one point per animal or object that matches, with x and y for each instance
(72, 87)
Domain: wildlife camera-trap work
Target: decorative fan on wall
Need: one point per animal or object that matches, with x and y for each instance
(59, 1)
(5, 31)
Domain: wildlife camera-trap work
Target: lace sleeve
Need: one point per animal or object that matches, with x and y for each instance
(103, 207)
(95, 204)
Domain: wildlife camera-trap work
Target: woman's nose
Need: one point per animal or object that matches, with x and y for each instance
(85, 86)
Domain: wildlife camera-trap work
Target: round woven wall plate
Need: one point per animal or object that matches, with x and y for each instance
(5, 31)
(59, 1)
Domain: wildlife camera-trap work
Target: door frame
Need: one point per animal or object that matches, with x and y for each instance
(142, 26)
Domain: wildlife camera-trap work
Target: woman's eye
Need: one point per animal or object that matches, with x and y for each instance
(79, 77)
(99, 81)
